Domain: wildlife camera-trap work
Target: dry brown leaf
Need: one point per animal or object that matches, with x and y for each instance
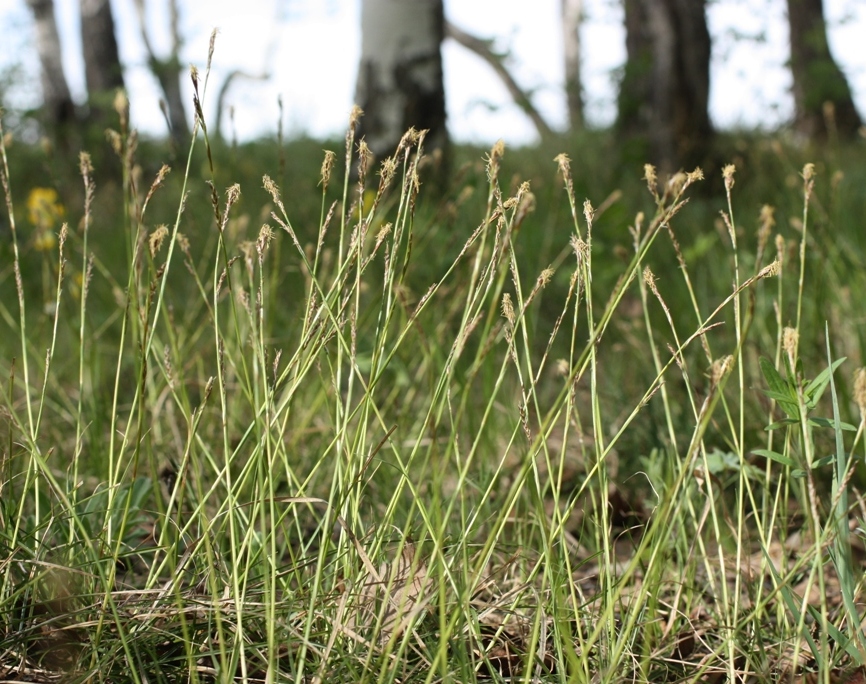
(398, 592)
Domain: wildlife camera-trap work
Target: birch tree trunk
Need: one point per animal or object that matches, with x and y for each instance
(59, 108)
(400, 73)
(664, 94)
(818, 81)
(571, 16)
(102, 69)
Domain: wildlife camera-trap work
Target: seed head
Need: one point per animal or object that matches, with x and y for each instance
(771, 270)
(327, 167)
(649, 278)
(354, 116)
(564, 163)
(588, 212)
(157, 237)
(676, 184)
(649, 175)
(121, 106)
(790, 340)
(728, 175)
(271, 188)
(508, 308)
(494, 158)
(721, 367)
(365, 156)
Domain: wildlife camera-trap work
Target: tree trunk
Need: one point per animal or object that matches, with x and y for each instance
(59, 108)
(665, 89)
(400, 74)
(168, 72)
(571, 16)
(102, 70)
(818, 81)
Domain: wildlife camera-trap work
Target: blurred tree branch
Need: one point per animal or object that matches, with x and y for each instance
(484, 49)
(167, 72)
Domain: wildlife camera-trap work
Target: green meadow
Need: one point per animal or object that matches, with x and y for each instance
(283, 412)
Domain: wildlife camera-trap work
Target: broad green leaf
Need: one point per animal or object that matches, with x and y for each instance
(775, 381)
(784, 422)
(829, 423)
(775, 456)
(780, 389)
(783, 400)
(781, 397)
(821, 462)
(815, 389)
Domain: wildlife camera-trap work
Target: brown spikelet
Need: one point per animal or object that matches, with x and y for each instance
(508, 309)
(354, 116)
(386, 172)
(720, 368)
(183, 243)
(266, 234)
(365, 156)
(649, 175)
(808, 181)
(767, 221)
(156, 239)
(790, 340)
(327, 168)
(84, 164)
(771, 270)
(164, 170)
(494, 159)
(211, 45)
(276, 364)
(121, 106)
(675, 185)
(694, 176)
(588, 214)
(580, 248)
(728, 175)
(115, 140)
(564, 163)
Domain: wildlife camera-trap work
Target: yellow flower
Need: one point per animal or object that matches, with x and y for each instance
(44, 209)
(45, 212)
(367, 205)
(44, 241)
(75, 284)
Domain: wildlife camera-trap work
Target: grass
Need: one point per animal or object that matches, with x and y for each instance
(502, 435)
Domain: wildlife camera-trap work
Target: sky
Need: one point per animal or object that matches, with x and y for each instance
(306, 52)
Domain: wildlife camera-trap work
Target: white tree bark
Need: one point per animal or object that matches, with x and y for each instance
(55, 90)
(571, 16)
(400, 74)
